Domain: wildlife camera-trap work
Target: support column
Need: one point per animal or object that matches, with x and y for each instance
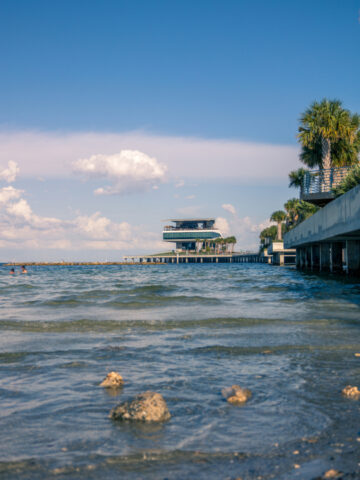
(308, 257)
(201, 260)
(217, 260)
(325, 257)
(353, 257)
(302, 258)
(315, 258)
(336, 257)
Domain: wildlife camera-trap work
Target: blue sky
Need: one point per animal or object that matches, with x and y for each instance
(175, 80)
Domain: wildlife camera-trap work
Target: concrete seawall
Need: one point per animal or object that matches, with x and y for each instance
(330, 239)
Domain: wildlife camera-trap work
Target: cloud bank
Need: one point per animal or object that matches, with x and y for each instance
(229, 208)
(9, 173)
(245, 229)
(49, 154)
(128, 171)
(21, 228)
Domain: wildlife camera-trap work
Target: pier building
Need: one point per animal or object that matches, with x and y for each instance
(192, 234)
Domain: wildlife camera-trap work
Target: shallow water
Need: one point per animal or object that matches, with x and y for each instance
(185, 331)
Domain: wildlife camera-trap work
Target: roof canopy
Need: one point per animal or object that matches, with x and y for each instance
(190, 220)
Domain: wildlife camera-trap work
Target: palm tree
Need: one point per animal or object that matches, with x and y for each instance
(279, 216)
(305, 210)
(296, 177)
(232, 242)
(198, 245)
(350, 181)
(269, 232)
(218, 244)
(329, 135)
(292, 215)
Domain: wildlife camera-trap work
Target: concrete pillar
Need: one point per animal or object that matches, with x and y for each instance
(201, 260)
(298, 257)
(217, 260)
(353, 257)
(177, 258)
(186, 260)
(324, 259)
(336, 257)
(308, 257)
(315, 258)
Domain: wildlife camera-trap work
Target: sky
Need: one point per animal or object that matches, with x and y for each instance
(118, 114)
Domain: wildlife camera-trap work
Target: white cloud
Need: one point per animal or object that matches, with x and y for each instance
(223, 225)
(21, 228)
(128, 171)
(179, 184)
(245, 229)
(9, 173)
(9, 193)
(190, 197)
(93, 226)
(229, 208)
(48, 154)
(20, 209)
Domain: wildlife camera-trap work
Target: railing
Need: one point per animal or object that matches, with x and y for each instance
(168, 228)
(322, 181)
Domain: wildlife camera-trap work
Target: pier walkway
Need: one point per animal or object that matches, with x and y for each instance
(329, 240)
(197, 258)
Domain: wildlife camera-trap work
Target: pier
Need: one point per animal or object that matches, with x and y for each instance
(329, 241)
(176, 258)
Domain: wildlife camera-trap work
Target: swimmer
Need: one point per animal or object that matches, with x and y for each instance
(23, 269)
(12, 271)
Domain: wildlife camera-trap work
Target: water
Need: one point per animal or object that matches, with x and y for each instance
(185, 331)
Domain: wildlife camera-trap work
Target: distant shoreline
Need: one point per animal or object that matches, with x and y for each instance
(50, 264)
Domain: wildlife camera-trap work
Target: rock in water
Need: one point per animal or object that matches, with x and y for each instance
(351, 392)
(236, 395)
(332, 474)
(146, 407)
(112, 380)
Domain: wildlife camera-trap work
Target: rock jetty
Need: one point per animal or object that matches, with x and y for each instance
(145, 407)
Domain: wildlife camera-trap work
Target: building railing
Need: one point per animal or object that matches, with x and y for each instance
(168, 228)
(322, 181)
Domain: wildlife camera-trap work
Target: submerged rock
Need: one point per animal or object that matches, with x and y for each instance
(332, 474)
(351, 392)
(236, 395)
(146, 407)
(112, 380)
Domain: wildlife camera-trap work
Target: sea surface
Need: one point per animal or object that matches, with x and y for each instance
(185, 331)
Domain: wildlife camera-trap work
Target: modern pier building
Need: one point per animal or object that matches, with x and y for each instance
(191, 234)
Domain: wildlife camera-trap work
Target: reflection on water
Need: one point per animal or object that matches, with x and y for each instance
(185, 331)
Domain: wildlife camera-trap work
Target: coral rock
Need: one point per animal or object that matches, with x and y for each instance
(351, 392)
(112, 380)
(236, 395)
(331, 474)
(146, 407)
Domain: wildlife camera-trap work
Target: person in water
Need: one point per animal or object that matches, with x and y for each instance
(23, 269)
(12, 271)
